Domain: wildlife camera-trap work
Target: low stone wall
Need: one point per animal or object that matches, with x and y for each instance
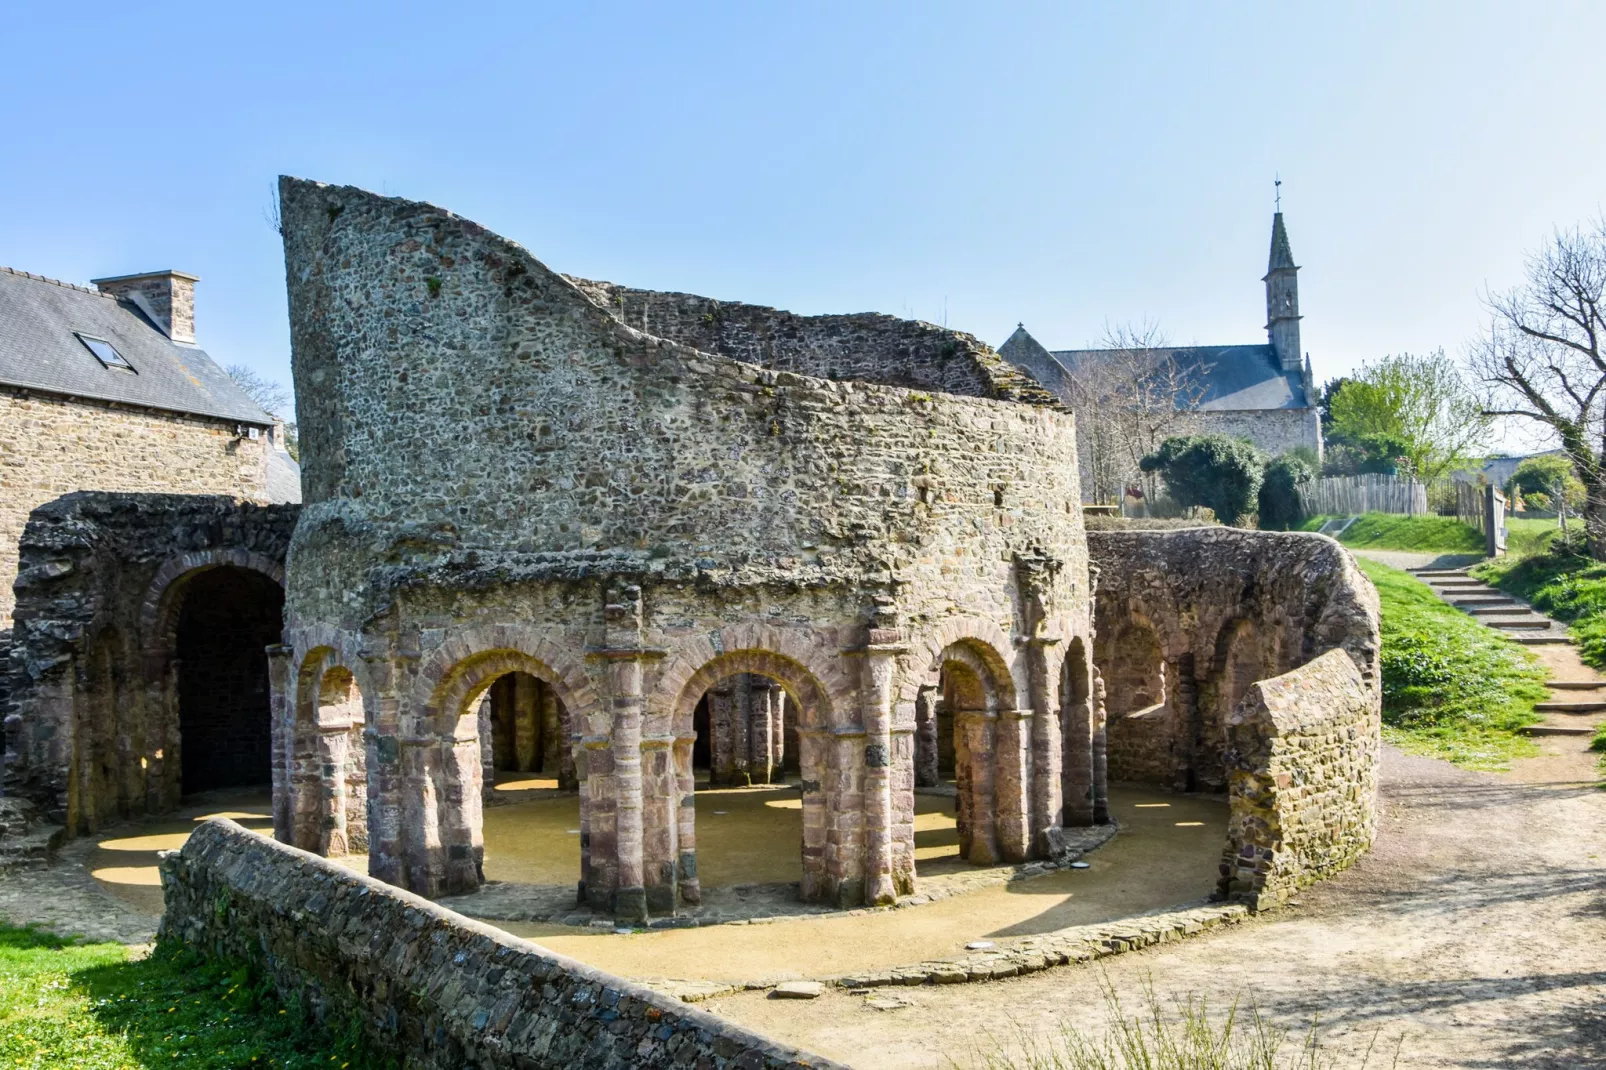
(1302, 756)
(428, 986)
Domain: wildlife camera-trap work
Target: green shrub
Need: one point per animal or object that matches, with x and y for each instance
(1538, 477)
(1219, 473)
(1280, 508)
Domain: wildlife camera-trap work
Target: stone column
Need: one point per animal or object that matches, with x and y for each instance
(741, 730)
(486, 719)
(761, 729)
(308, 813)
(1012, 782)
(722, 709)
(387, 841)
(691, 888)
(624, 656)
(553, 743)
(974, 769)
(1047, 794)
(526, 698)
(356, 787)
(813, 746)
(281, 727)
(1078, 773)
(926, 774)
(332, 740)
(1101, 781)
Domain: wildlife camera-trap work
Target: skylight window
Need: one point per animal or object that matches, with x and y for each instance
(105, 352)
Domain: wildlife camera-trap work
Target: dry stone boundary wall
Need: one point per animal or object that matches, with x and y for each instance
(426, 985)
(1303, 750)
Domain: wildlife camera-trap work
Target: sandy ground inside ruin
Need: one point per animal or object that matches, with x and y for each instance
(1166, 853)
(1473, 935)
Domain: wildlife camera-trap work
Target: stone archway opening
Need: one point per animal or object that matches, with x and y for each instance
(748, 812)
(1140, 739)
(227, 618)
(956, 761)
(524, 736)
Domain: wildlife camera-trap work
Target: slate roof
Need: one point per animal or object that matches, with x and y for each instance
(40, 351)
(284, 478)
(1224, 378)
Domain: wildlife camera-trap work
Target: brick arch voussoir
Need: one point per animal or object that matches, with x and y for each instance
(472, 657)
(158, 611)
(979, 634)
(799, 678)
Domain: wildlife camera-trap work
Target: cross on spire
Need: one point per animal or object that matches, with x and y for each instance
(1277, 182)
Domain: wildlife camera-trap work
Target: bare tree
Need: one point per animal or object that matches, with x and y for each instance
(1543, 358)
(1130, 398)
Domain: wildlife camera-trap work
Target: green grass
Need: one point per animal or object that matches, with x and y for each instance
(1385, 531)
(1452, 688)
(91, 1007)
(1564, 586)
(1525, 537)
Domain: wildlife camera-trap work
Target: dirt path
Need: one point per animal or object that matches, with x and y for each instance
(1475, 931)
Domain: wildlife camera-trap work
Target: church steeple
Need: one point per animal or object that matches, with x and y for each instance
(1282, 298)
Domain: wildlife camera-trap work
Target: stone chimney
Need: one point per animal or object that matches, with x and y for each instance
(167, 297)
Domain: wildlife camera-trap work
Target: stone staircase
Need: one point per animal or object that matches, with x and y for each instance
(1521, 623)
(24, 840)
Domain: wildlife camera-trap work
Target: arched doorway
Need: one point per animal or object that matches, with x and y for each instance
(1140, 742)
(749, 816)
(524, 735)
(742, 724)
(228, 617)
(331, 776)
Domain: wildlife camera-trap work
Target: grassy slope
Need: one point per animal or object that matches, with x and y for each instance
(1452, 688)
(1429, 534)
(88, 1006)
(1572, 589)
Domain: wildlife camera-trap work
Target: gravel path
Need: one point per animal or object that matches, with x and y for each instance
(1473, 935)
(1409, 559)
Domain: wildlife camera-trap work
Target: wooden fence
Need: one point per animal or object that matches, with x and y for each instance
(1349, 495)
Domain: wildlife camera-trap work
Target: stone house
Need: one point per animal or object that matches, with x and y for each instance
(1265, 393)
(106, 389)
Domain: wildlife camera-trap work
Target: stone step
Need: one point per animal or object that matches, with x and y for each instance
(1484, 609)
(1557, 730)
(1570, 707)
(34, 848)
(1463, 585)
(1575, 685)
(1535, 623)
(1428, 573)
(1552, 639)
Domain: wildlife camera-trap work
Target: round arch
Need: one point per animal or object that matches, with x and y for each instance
(159, 609)
(800, 684)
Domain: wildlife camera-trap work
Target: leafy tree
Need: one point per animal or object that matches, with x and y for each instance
(1422, 404)
(1543, 358)
(1280, 508)
(1223, 474)
(1541, 477)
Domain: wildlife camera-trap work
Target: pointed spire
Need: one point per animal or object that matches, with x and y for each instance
(1282, 256)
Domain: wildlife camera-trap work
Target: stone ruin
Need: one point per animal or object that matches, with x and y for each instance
(620, 536)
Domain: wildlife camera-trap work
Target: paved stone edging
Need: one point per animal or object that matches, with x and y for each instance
(1075, 945)
(760, 904)
(1072, 946)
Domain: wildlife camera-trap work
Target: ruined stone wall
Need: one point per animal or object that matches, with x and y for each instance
(868, 347)
(427, 986)
(92, 732)
(1224, 607)
(677, 513)
(1302, 753)
(52, 446)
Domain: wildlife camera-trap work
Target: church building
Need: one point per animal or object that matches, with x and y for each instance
(1265, 393)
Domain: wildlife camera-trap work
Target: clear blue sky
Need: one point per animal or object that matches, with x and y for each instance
(1062, 164)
